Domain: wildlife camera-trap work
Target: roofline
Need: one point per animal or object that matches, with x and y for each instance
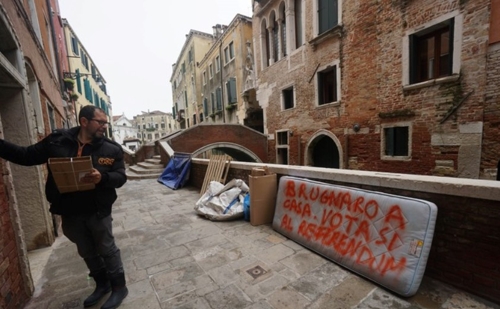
(188, 39)
(65, 22)
(236, 18)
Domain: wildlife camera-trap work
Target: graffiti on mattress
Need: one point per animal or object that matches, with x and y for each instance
(354, 227)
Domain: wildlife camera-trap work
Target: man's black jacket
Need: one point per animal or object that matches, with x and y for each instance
(107, 158)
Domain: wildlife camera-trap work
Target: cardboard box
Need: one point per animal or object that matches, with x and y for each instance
(67, 173)
(263, 190)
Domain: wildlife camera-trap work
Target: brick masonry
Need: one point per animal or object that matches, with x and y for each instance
(12, 290)
(200, 136)
(369, 51)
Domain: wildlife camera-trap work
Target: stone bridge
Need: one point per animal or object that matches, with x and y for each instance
(240, 142)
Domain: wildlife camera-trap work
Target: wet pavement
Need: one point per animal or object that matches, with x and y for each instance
(174, 258)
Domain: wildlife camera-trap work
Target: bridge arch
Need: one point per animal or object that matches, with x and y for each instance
(240, 142)
(244, 152)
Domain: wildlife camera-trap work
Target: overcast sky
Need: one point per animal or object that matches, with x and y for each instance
(134, 43)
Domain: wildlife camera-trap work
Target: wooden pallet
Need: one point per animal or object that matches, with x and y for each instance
(217, 170)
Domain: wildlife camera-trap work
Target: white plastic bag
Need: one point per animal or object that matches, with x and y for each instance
(220, 203)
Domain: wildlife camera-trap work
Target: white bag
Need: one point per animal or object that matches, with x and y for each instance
(220, 203)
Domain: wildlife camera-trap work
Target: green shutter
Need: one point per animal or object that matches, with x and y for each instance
(78, 81)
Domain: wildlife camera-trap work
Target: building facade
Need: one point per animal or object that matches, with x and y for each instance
(123, 129)
(154, 125)
(31, 107)
(226, 72)
(394, 86)
(89, 86)
(186, 91)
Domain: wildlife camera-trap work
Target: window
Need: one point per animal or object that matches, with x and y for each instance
(430, 52)
(212, 99)
(217, 64)
(283, 32)
(204, 77)
(275, 40)
(433, 50)
(229, 53)
(327, 15)
(231, 91)
(78, 81)
(327, 86)
(282, 147)
(183, 68)
(298, 23)
(190, 56)
(218, 96)
(205, 106)
(287, 98)
(211, 71)
(74, 45)
(396, 141)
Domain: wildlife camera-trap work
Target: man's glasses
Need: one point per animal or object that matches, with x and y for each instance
(100, 122)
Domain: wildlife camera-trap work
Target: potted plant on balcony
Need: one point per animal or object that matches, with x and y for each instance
(74, 97)
(230, 107)
(69, 84)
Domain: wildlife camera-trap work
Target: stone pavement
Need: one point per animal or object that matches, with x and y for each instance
(176, 259)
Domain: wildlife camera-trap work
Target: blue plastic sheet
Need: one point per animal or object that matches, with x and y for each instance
(176, 174)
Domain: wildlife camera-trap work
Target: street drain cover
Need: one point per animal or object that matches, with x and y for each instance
(256, 271)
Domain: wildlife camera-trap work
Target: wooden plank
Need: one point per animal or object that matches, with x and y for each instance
(217, 169)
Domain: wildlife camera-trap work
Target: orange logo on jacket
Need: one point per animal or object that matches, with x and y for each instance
(105, 161)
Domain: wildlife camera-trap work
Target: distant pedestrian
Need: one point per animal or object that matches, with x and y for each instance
(86, 215)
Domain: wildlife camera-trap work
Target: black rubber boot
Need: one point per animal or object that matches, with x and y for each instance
(102, 287)
(118, 293)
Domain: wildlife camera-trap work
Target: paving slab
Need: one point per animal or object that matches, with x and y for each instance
(174, 258)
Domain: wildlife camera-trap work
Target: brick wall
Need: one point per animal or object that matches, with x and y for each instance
(464, 250)
(12, 291)
(491, 140)
(203, 135)
(370, 51)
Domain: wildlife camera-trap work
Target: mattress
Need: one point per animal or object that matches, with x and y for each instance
(385, 238)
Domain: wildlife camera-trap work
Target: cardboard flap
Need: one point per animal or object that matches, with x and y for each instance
(67, 173)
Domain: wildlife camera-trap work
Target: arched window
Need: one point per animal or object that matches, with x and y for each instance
(283, 31)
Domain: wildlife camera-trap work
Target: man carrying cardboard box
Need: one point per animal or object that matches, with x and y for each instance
(85, 213)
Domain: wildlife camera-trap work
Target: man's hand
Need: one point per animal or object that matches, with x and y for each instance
(92, 177)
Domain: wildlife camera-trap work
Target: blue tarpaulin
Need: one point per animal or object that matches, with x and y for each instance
(176, 174)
